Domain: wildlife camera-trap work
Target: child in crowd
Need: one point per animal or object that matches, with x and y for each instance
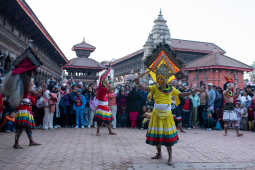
(146, 117)
(244, 118)
(79, 107)
(208, 121)
(93, 105)
(238, 111)
(187, 107)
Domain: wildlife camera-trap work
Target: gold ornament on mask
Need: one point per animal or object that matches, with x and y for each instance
(162, 73)
(230, 93)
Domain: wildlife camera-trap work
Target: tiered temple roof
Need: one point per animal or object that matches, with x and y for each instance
(82, 61)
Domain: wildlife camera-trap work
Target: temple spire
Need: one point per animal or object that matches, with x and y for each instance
(160, 34)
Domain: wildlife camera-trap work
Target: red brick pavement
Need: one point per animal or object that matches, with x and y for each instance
(80, 149)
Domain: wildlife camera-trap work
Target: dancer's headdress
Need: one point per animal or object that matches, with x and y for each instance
(163, 71)
(27, 61)
(103, 78)
(16, 81)
(229, 80)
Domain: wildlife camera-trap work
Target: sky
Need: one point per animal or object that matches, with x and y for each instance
(117, 27)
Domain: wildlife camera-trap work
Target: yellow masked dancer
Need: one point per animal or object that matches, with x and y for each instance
(162, 129)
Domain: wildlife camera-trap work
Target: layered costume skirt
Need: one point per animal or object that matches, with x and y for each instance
(24, 117)
(162, 129)
(103, 112)
(229, 113)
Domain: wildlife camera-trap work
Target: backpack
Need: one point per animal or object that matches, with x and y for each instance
(218, 126)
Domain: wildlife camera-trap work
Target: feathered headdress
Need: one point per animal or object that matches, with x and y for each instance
(228, 79)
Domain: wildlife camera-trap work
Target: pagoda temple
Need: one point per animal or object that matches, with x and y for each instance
(201, 62)
(82, 68)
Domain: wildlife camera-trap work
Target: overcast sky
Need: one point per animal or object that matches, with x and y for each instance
(117, 27)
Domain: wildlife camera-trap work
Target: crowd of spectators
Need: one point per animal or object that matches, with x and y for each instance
(73, 105)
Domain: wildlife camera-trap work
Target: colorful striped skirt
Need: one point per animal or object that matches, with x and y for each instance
(103, 113)
(161, 131)
(24, 119)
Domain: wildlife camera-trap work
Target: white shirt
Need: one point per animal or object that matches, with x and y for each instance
(245, 100)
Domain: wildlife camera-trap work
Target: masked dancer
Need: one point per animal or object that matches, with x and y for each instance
(229, 114)
(103, 113)
(17, 86)
(162, 129)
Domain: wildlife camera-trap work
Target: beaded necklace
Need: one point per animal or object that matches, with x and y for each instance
(166, 90)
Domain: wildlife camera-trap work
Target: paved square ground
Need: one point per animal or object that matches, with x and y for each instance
(80, 149)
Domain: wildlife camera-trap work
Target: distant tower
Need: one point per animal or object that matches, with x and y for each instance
(83, 68)
(160, 34)
(83, 49)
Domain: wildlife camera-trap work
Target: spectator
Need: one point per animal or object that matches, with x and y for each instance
(244, 118)
(211, 97)
(57, 121)
(65, 104)
(238, 111)
(208, 121)
(218, 103)
(133, 106)
(196, 102)
(74, 89)
(88, 93)
(122, 116)
(187, 106)
(79, 106)
(48, 116)
(146, 117)
(113, 106)
(203, 104)
(93, 105)
(245, 99)
(249, 91)
(251, 114)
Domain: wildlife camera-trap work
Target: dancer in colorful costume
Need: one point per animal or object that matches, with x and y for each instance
(103, 112)
(229, 114)
(17, 86)
(162, 129)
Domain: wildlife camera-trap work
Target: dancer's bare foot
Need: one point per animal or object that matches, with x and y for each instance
(239, 135)
(98, 134)
(112, 133)
(157, 156)
(182, 131)
(225, 134)
(17, 147)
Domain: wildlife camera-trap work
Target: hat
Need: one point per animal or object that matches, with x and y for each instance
(210, 84)
(27, 61)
